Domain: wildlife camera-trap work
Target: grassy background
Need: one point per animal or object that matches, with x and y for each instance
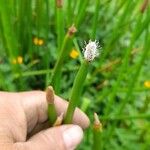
(31, 36)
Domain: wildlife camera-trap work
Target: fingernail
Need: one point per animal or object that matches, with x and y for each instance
(72, 137)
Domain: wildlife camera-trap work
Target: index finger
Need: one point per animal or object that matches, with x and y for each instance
(35, 107)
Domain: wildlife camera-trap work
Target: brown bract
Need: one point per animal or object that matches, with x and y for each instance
(59, 120)
(97, 123)
(71, 30)
(50, 95)
(59, 3)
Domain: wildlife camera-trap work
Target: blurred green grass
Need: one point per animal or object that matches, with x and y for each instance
(31, 36)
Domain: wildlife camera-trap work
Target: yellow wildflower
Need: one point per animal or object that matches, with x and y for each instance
(74, 54)
(35, 41)
(147, 84)
(19, 59)
(38, 41)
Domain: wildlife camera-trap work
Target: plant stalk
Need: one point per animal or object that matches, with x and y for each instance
(76, 91)
(52, 114)
(97, 133)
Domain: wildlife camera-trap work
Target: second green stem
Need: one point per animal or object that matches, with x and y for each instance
(76, 91)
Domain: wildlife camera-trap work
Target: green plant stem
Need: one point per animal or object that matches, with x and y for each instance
(8, 31)
(97, 133)
(95, 18)
(56, 74)
(47, 61)
(69, 11)
(41, 72)
(81, 11)
(9, 36)
(24, 25)
(59, 27)
(85, 104)
(50, 97)
(52, 116)
(77, 48)
(76, 91)
(97, 139)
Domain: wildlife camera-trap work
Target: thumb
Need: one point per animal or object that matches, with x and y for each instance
(65, 137)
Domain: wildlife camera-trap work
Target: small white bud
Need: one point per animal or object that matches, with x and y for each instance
(91, 50)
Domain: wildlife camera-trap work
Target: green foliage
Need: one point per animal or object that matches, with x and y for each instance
(115, 89)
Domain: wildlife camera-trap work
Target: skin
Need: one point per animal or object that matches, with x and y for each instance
(24, 125)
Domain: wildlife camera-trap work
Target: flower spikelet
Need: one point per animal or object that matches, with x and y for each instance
(91, 50)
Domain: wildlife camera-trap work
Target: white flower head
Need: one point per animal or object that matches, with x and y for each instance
(91, 50)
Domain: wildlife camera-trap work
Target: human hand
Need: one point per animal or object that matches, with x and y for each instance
(24, 125)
